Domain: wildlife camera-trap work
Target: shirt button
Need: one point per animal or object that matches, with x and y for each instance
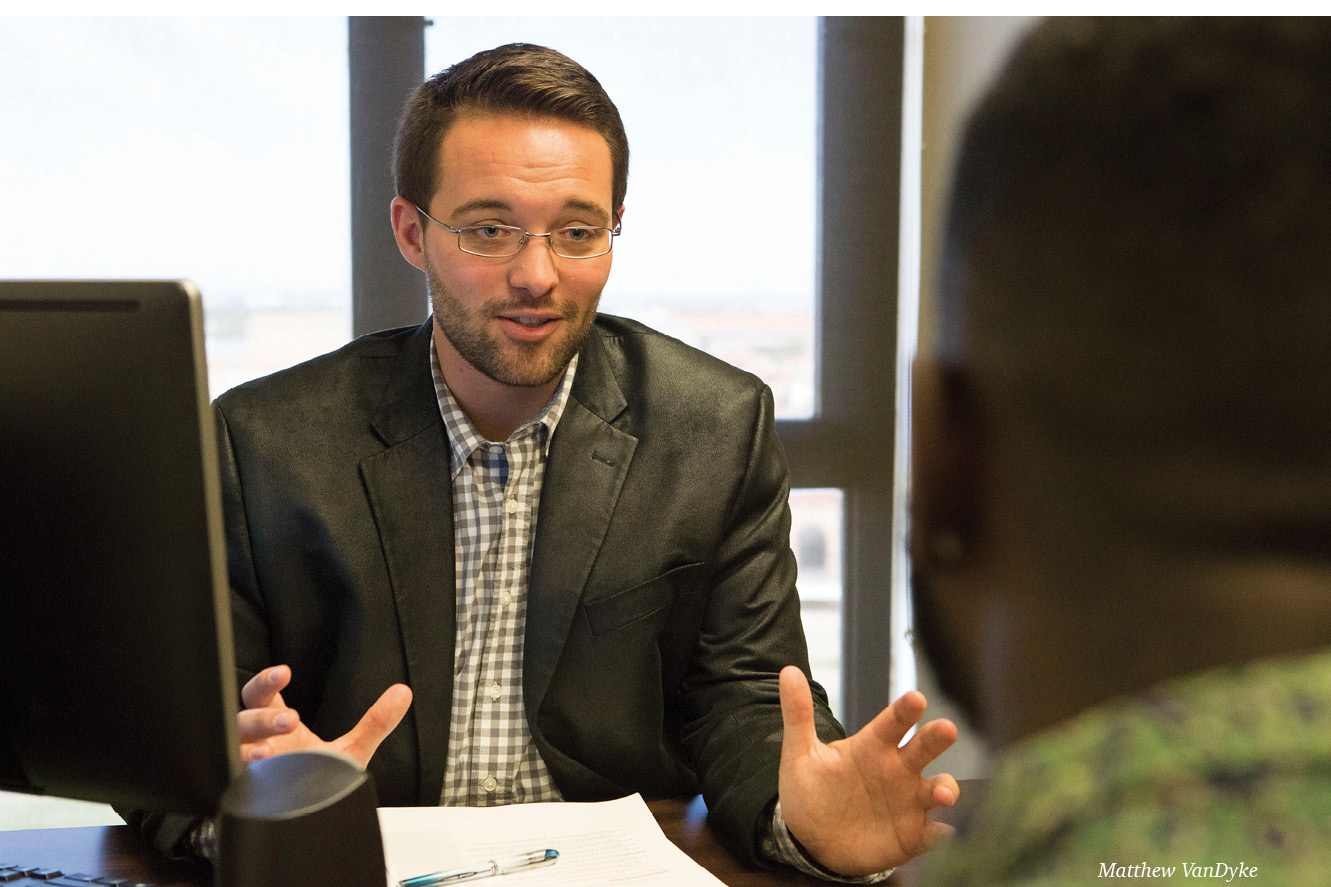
(495, 691)
(505, 598)
(490, 784)
(512, 506)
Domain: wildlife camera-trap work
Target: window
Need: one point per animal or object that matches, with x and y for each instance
(816, 532)
(187, 147)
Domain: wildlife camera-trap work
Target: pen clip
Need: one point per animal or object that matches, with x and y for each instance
(436, 879)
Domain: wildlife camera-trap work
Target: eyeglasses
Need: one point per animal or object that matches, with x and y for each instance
(501, 241)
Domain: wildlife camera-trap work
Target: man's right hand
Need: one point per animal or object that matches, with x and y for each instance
(268, 727)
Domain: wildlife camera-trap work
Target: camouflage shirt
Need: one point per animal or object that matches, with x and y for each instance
(1219, 777)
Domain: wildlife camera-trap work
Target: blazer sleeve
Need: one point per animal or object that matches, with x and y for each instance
(751, 629)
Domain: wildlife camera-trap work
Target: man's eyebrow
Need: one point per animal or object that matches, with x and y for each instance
(492, 203)
(588, 206)
(482, 203)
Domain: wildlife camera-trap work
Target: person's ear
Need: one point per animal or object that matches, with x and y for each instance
(408, 232)
(945, 465)
(619, 218)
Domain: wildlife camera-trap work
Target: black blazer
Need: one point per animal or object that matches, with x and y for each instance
(662, 597)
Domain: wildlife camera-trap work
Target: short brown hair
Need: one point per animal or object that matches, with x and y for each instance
(519, 78)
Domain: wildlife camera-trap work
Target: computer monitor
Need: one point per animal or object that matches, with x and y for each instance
(117, 681)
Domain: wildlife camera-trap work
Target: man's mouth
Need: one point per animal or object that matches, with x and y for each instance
(530, 321)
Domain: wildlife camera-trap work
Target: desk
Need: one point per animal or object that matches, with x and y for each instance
(114, 850)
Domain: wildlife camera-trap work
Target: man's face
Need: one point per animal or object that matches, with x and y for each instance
(937, 641)
(945, 628)
(517, 320)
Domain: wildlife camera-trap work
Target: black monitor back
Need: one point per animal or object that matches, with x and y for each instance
(116, 677)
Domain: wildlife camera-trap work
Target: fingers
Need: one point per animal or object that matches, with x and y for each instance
(375, 725)
(796, 713)
(891, 725)
(265, 715)
(939, 791)
(928, 743)
(256, 751)
(258, 724)
(265, 688)
(267, 726)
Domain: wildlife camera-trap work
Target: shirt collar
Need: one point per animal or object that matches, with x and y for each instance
(464, 439)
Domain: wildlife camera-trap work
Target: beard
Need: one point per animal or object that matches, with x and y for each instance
(509, 362)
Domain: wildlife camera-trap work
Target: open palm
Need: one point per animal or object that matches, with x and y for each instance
(859, 805)
(269, 727)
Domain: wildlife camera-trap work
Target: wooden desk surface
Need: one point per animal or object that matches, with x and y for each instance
(115, 851)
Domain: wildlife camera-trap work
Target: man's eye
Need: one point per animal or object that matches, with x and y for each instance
(490, 232)
(578, 234)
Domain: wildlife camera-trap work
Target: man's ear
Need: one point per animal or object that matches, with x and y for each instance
(408, 232)
(946, 489)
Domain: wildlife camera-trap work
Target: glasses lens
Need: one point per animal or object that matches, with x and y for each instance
(490, 240)
(580, 242)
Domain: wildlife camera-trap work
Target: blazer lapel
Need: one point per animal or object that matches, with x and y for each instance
(411, 494)
(584, 473)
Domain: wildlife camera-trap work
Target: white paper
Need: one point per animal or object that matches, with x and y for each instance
(610, 842)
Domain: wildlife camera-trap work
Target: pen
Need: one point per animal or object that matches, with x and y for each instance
(519, 863)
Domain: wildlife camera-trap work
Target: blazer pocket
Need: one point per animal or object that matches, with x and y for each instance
(640, 601)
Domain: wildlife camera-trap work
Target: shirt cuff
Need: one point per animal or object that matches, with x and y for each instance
(779, 845)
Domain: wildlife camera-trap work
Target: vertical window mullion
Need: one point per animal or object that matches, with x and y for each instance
(860, 166)
(386, 61)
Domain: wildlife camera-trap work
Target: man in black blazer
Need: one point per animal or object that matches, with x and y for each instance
(659, 585)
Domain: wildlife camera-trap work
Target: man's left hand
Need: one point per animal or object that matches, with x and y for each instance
(858, 805)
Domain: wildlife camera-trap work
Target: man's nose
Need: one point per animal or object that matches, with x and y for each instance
(533, 269)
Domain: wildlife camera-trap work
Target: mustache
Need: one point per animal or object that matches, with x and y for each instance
(495, 307)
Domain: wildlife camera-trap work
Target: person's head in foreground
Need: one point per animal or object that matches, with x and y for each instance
(1122, 491)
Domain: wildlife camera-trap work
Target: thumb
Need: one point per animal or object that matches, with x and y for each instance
(382, 718)
(796, 713)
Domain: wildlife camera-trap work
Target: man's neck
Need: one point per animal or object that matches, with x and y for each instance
(496, 409)
(1059, 654)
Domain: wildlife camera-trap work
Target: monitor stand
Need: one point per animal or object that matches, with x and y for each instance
(304, 819)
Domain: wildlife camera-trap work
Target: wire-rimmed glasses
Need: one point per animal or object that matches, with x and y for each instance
(502, 241)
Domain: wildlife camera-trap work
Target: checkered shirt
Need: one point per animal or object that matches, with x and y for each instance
(496, 493)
